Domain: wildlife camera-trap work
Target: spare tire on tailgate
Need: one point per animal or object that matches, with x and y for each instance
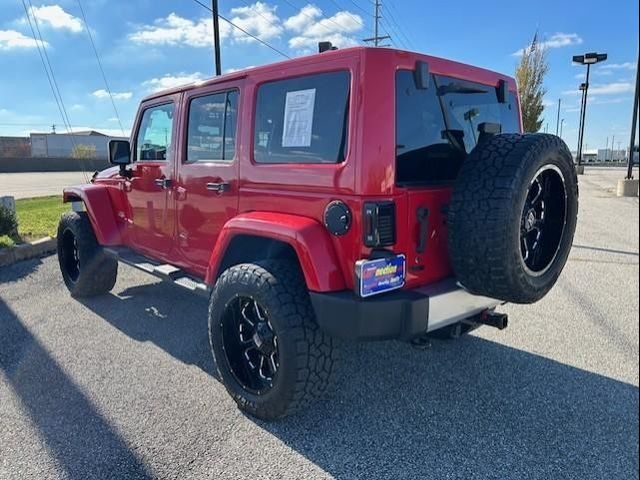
(512, 216)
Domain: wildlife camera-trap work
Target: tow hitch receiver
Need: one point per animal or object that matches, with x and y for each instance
(494, 319)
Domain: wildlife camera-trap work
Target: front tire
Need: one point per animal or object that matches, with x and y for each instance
(85, 269)
(271, 356)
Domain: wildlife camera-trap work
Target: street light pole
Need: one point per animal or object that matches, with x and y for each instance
(587, 59)
(634, 123)
(584, 114)
(216, 36)
(561, 125)
(558, 119)
(582, 87)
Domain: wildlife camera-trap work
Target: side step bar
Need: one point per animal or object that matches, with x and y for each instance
(167, 272)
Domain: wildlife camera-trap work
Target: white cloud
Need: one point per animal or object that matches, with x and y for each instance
(102, 93)
(170, 81)
(309, 28)
(175, 30)
(10, 39)
(619, 66)
(557, 40)
(259, 19)
(77, 107)
(233, 70)
(56, 17)
(605, 89)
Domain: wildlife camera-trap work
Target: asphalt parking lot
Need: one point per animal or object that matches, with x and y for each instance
(123, 385)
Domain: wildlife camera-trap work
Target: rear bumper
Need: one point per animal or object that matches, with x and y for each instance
(402, 314)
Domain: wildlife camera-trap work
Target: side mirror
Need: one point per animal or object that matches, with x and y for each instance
(120, 154)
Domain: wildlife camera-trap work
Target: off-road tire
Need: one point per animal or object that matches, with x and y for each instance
(307, 355)
(96, 273)
(485, 213)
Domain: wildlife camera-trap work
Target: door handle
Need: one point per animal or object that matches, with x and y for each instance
(162, 182)
(219, 187)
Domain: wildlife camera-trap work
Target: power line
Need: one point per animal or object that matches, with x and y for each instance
(329, 19)
(397, 23)
(253, 7)
(369, 14)
(258, 39)
(104, 77)
(52, 78)
(340, 9)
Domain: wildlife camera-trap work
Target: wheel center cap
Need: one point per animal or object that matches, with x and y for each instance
(529, 220)
(263, 338)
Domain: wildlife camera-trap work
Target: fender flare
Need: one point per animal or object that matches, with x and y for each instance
(99, 209)
(306, 236)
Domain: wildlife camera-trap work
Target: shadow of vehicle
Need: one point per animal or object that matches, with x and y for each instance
(160, 313)
(471, 408)
(80, 439)
(19, 270)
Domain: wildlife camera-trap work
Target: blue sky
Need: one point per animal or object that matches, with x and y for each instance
(150, 44)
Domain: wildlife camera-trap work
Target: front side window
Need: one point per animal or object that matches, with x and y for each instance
(211, 129)
(303, 119)
(153, 142)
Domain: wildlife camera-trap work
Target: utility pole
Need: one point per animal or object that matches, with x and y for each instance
(216, 36)
(619, 142)
(376, 39)
(634, 123)
(53, 128)
(612, 146)
(558, 119)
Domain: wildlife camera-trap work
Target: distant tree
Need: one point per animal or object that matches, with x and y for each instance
(530, 75)
(84, 152)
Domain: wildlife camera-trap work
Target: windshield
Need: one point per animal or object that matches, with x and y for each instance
(438, 126)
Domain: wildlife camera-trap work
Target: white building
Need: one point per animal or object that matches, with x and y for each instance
(62, 144)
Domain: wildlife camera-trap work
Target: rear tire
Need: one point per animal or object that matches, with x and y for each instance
(271, 355)
(85, 268)
(513, 215)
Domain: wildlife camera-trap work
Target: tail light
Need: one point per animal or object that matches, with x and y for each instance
(379, 223)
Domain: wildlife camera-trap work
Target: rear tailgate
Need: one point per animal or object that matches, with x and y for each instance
(425, 242)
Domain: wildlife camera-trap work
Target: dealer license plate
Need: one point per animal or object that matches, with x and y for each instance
(380, 275)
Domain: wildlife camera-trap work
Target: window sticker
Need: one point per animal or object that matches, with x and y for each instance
(298, 118)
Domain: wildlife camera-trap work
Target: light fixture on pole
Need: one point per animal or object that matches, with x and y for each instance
(587, 59)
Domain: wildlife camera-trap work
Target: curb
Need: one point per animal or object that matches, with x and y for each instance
(41, 247)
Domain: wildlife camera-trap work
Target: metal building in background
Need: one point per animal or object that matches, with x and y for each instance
(62, 145)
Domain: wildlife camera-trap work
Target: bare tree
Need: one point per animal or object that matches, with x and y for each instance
(530, 74)
(84, 152)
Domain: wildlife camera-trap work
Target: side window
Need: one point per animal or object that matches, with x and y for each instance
(303, 119)
(153, 142)
(211, 131)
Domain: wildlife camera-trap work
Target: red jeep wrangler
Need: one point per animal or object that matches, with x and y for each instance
(360, 194)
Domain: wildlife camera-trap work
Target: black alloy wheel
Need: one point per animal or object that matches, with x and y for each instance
(250, 344)
(543, 220)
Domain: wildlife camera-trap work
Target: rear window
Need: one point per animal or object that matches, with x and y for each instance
(303, 119)
(438, 126)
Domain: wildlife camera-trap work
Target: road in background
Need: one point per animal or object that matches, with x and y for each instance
(38, 184)
(123, 385)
